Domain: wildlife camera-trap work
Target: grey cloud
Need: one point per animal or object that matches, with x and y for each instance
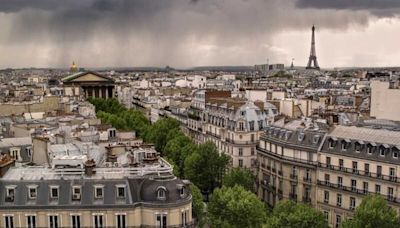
(161, 32)
(384, 8)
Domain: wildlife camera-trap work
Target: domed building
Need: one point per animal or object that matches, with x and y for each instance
(235, 125)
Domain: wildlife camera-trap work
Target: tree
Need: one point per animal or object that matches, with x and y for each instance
(178, 149)
(197, 205)
(205, 167)
(159, 132)
(236, 207)
(373, 212)
(240, 176)
(289, 214)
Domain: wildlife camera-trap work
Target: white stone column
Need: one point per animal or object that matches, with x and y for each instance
(107, 95)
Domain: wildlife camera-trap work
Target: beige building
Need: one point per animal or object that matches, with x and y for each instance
(287, 154)
(234, 126)
(354, 162)
(385, 100)
(142, 193)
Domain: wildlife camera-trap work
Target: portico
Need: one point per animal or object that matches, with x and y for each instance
(92, 84)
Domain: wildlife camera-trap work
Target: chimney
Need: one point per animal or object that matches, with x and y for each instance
(40, 150)
(89, 167)
(6, 162)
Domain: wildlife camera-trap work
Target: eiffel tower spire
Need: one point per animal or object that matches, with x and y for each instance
(312, 60)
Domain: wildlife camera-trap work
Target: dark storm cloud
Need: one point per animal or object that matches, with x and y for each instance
(377, 7)
(160, 32)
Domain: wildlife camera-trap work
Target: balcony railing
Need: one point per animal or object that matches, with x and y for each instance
(293, 176)
(353, 189)
(307, 179)
(360, 172)
(309, 162)
(240, 142)
(306, 199)
(213, 134)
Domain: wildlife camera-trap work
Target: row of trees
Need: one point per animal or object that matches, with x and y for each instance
(233, 202)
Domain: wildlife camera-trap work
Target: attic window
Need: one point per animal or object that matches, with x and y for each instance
(287, 135)
(120, 191)
(316, 139)
(32, 191)
(54, 192)
(300, 137)
(98, 191)
(243, 113)
(10, 193)
(161, 193)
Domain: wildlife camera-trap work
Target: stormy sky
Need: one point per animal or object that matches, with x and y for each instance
(186, 33)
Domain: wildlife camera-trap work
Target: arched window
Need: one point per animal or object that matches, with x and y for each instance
(161, 193)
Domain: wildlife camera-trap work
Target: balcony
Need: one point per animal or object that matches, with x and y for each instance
(354, 190)
(307, 179)
(240, 142)
(360, 172)
(293, 177)
(283, 157)
(213, 134)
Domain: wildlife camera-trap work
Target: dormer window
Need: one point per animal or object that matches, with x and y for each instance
(32, 191)
(357, 146)
(395, 153)
(332, 142)
(54, 192)
(10, 193)
(287, 135)
(300, 137)
(316, 139)
(76, 193)
(382, 150)
(120, 191)
(98, 191)
(161, 193)
(181, 190)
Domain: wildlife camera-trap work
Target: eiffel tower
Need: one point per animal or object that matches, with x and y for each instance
(312, 60)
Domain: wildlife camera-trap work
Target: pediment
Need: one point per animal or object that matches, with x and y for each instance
(90, 77)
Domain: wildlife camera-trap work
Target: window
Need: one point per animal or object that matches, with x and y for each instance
(339, 200)
(378, 171)
(76, 221)
(326, 197)
(300, 137)
(377, 189)
(338, 220)
(240, 151)
(54, 192)
(53, 221)
(390, 193)
(98, 221)
(32, 192)
(31, 221)
(353, 185)
(331, 144)
(341, 164)
(369, 150)
(365, 187)
(382, 151)
(251, 125)
(28, 151)
(326, 214)
(241, 126)
(344, 145)
(328, 161)
(76, 193)
(308, 174)
(352, 203)
(240, 163)
(10, 193)
(9, 221)
(327, 177)
(98, 191)
(366, 168)
(340, 181)
(252, 137)
(161, 193)
(121, 191)
(121, 220)
(252, 151)
(357, 147)
(161, 221)
(184, 218)
(395, 154)
(355, 167)
(392, 173)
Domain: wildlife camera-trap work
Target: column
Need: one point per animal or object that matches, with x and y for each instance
(107, 95)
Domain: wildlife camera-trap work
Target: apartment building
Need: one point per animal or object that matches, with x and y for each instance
(235, 125)
(287, 154)
(139, 190)
(354, 162)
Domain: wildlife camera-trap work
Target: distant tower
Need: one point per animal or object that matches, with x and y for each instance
(73, 68)
(292, 65)
(312, 61)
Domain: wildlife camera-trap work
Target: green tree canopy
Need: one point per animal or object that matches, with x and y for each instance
(206, 166)
(292, 215)
(236, 207)
(240, 176)
(373, 212)
(159, 131)
(197, 205)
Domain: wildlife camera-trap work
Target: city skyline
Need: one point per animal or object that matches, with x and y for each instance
(184, 33)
